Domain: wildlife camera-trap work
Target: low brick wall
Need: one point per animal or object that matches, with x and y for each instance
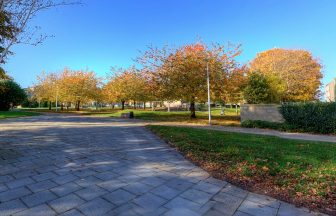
(263, 112)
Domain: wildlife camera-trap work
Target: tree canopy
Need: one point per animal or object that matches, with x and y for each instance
(11, 94)
(294, 75)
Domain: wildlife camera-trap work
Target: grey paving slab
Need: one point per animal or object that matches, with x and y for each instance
(19, 182)
(95, 207)
(41, 210)
(43, 185)
(81, 165)
(14, 194)
(91, 192)
(11, 207)
(38, 198)
(119, 197)
(66, 189)
(66, 203)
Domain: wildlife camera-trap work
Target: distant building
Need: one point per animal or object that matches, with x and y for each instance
(331, 91)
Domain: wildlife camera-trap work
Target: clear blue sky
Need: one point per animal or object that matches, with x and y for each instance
(105, 33)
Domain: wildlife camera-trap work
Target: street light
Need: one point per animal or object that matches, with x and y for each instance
(208, 82)
(56, 98)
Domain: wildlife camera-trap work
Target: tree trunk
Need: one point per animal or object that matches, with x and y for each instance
(122, 105)
(49, 105)
(78, 104)
(168, 106)
(62, 106)
(236, 109)
(134, 104)
(192, 109)
(144, 105)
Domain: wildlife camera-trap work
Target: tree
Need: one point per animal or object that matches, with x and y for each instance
(3, 74)
(125, 85)
(258, 89)
(46, 87)
(11, 94)
(79, 86)
(14, 19)
(294, 75)
(180, 74)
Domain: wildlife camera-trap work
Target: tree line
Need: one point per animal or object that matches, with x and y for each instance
(180, 74)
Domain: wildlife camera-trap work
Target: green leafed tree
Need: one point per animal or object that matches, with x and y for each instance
(258, 89)
(11, 94)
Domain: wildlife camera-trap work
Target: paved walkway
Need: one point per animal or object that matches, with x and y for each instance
(78, 165)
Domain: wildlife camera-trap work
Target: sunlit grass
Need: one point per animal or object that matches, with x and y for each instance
(14, 114)
(300, 171)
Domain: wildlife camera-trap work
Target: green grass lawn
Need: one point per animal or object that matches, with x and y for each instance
(230, 117)
(300, 172)
(15, 114)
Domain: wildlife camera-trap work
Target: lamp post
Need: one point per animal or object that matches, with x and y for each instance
(56, 98)
(209, 101)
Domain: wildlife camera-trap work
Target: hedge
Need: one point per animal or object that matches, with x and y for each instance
(316, 117)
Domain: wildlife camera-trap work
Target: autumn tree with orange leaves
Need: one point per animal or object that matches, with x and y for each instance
(126, 85)
(46, 87)
(294, 75)
(180, 74)
(68, 86)
(79, 86)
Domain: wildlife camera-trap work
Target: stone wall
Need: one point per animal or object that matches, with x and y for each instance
(263, 112)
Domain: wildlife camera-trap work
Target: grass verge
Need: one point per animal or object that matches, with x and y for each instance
(230, 117)
(15, 114)
(300, 172)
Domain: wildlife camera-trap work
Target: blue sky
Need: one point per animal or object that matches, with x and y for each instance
(104, 33)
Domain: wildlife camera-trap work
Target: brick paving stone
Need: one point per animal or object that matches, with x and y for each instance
(119, 197)
(107, 176)
(90, 193)
(66, 189)
(137, 188)
(179, 184)
(88, 181)
(112, 185)
(13, 194)
(180, 202)
(150, 201)
(11, 207)
(43, 185)
(181, 211)
(152, 181)
(264, 200)
(64, 179)
(73, 212)
(226, 203)
(165, 192)
(196, 196)
(41, 210)
(19, 183)
(6, 178)
(38, 198)
(24, 173)
(66, 203)
(44, 176)
(235, 191)
(96, 207)
(256, 209)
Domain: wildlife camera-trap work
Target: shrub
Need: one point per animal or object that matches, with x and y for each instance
(11, 94)
(258, 89)
(317, 117)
